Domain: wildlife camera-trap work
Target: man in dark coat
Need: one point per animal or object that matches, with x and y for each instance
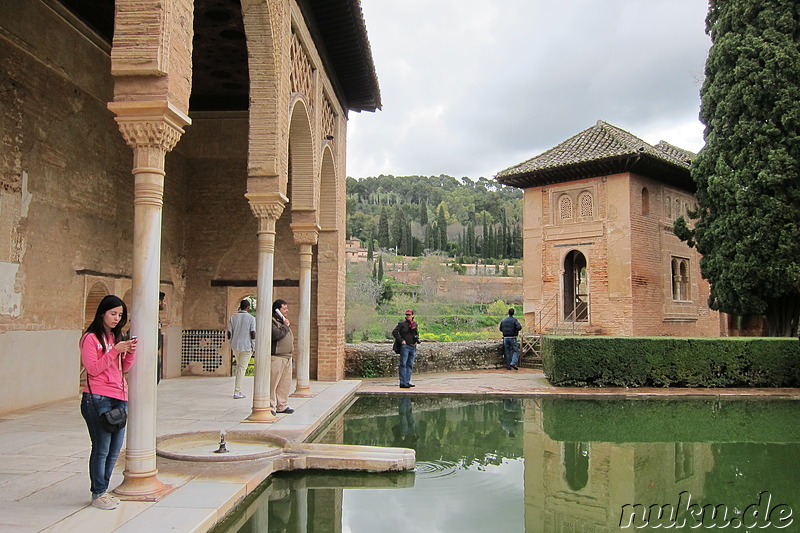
(510, 327)
(407, 337)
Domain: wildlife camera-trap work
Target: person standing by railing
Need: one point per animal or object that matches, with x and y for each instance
(511, 327)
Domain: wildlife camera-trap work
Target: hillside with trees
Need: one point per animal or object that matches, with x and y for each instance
(419, 215)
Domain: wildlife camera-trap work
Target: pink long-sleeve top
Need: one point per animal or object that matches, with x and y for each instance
(102, 368)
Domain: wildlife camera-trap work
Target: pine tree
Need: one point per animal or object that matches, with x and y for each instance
(748, 174)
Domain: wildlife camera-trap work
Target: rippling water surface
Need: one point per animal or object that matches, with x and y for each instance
(542, 465)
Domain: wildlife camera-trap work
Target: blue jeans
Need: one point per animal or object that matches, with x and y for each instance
(407, 355)
(512, 350)
(105, 445)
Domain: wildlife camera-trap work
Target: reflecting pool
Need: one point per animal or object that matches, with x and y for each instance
(548, 465)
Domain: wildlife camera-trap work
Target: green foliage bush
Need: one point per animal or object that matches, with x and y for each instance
(671, 361)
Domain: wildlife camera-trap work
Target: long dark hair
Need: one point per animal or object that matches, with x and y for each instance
(277, 304)
(109, 302)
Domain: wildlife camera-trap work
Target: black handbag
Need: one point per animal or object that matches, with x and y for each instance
(114, 419)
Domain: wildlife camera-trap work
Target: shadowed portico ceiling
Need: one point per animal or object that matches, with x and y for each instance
(220, 78)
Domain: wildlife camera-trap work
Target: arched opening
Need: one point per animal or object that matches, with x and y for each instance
(304, 193)
(645, 201)
(97, 292)
(576, 287)
(576, 464)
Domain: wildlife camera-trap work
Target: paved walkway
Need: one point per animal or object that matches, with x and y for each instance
(529, 382)
(44, 452)
(44, 481)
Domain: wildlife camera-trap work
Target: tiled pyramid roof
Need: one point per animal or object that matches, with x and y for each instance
(602, 149)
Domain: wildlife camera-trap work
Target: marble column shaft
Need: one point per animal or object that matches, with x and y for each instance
(267, 208)
(306, 238)
(150, 139)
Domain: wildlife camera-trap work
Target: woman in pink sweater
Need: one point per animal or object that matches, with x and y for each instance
(106, 357)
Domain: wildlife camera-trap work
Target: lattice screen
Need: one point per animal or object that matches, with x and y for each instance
(202, 345)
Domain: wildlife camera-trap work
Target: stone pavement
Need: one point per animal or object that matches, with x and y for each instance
(44, 483)
(532, 382)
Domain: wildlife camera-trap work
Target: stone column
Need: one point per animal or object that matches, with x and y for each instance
(306, 236)
(152, 129)
(267, 207)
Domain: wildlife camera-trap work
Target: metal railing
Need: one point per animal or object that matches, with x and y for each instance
(547, 321)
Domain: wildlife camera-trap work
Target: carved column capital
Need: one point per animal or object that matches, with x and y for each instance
(305, 233)
(151, 134)
(156, 125)
(267, 205)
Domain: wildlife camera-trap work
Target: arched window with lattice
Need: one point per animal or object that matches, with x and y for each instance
(565, 208)
(586, 203)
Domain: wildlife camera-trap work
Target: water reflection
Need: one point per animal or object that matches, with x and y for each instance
(541, 466)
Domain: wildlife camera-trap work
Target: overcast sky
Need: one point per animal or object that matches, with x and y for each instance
(471, 87)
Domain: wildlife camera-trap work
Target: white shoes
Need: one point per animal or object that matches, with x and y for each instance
(238, 395)
(105, 501)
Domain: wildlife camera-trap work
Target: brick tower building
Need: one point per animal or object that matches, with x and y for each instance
(600, 256)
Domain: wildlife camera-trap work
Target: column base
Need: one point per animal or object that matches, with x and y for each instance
(263, 416)
(142, 487)
(302, 392)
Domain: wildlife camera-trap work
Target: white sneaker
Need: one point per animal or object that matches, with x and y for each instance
(105, 501)
(238, 395)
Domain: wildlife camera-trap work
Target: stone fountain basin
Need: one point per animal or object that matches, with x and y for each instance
(201, 446)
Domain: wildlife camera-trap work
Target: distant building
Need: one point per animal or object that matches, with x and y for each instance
(354, 251)
(599, 253)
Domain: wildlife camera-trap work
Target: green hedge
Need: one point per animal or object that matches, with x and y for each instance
(671, 361)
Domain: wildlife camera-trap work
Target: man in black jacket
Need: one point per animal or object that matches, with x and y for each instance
(510, 327)
(407, 337)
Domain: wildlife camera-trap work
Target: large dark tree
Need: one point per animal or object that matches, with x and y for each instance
(383, 229)
(747, 225)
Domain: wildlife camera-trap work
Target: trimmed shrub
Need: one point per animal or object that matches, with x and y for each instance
(671, 361)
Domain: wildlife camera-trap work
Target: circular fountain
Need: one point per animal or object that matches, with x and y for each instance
(219, 446)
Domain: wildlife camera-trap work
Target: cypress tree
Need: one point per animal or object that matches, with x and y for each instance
(383, 228)
(441, 224)
(747, 225)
